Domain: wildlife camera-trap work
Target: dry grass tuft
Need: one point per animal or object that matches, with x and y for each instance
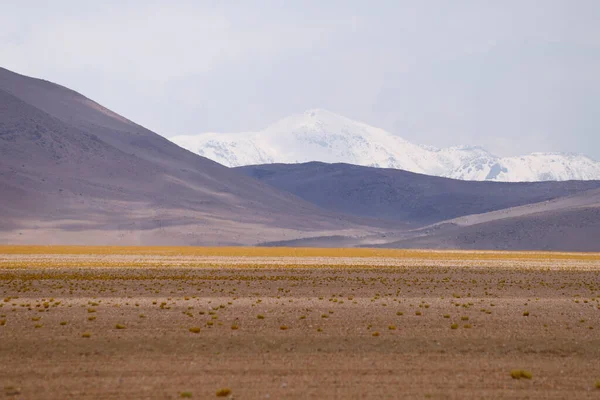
(223, 392)
(520, 373)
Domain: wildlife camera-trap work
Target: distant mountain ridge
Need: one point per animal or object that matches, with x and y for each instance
(73, 172)
(446, 213)
(320, 135)
(397, 195)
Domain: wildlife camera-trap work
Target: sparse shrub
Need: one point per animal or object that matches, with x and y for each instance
(520, 373)
(119, 326)
(283, 327)
(223, 392)
(86, 335)
(454, 326)
(186, 395)
(195, 329)
(526, 314)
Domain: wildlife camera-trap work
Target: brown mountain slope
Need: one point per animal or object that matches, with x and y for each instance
(456, 214)
(72, 171)
(567, 224)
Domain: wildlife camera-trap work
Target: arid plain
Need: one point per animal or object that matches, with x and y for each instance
(258, 323)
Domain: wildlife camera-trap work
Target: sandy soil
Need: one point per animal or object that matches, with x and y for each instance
(298, 329)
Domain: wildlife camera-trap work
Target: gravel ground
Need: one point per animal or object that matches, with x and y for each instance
(164, 327)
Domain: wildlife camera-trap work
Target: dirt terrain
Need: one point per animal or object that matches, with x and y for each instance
(255, 323)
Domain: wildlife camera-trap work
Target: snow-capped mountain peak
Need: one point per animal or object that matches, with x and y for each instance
(321, 135)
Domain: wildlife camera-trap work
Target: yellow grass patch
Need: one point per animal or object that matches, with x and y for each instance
(293, 252)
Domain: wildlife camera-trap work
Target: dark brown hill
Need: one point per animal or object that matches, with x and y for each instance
(398, 195)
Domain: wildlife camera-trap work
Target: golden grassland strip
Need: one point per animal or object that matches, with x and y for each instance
(294, 252)
(16, 265)
(90, 261)
(359, 264)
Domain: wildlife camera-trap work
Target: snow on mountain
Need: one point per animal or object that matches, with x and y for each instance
(534, 167)
(320, 135)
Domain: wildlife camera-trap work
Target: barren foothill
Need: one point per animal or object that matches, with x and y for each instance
(162, 323)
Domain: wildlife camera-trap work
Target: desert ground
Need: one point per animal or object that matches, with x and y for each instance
(260, 323)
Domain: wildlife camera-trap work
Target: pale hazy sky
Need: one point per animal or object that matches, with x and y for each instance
(512, 76)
